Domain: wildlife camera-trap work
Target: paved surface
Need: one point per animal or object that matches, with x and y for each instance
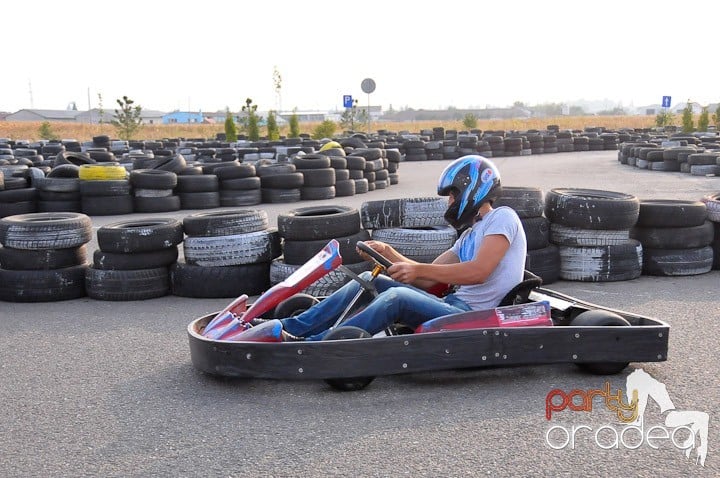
(92, 388)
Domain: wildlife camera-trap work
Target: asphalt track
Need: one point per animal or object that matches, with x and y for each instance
(93, 388)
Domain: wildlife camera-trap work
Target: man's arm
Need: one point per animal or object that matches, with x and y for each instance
(489, 254)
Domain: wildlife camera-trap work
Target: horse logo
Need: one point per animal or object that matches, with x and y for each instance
(698, 422)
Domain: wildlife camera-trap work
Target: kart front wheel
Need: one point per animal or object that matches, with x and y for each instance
(354, 383)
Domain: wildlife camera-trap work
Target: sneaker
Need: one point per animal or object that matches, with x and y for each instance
(288, 337)
(257, 321)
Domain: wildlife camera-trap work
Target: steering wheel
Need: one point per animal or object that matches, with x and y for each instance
(376, 256)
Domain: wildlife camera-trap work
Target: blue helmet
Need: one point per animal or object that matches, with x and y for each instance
(475, 180)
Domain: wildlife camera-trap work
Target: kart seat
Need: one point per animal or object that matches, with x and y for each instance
(519, 294)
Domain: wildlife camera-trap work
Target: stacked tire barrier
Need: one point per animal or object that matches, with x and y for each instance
(133, 259)
(280, 182)
(43, 258)
(712, 203)
(153, 190)
(415, 227)
(105, 190)
(226, 254)
(305, 231)
(239, 186)
(543, 258)
(676, 237)
(592, 231)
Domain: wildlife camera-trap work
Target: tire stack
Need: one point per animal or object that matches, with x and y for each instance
(415, 227)
(712, 203)
(497, 145)
(375, 171)
(43, 258)
(356, 170)
(198, 191)
(564, 141)
(104, 190)
(592, 231)
(132, 259)
(153, 190)
(58, 192)
(414, 150)
(279, 182)
(676, 237)
(394, 158)
(239, 186)
(15, 195)
(305, 231)
(344, 186)
(702, 164)
(543, 258)
(318, 177)
(226, 253)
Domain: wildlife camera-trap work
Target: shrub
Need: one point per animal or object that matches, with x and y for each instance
(704, 120)
(252, 120)
(294, 125)
(273, 132)
(470, 121)
(716, 117)
(45, 131)
(230, 128)
(688, 125)
(326, 129)
(664, 118)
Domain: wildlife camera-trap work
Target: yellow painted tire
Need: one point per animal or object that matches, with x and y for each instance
(101, 172)
(330, 145)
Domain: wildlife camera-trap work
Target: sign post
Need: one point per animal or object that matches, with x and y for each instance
(368, 86)
(666, 101)
(347, 101)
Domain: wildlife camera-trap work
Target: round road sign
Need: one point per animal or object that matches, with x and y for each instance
(368, 85)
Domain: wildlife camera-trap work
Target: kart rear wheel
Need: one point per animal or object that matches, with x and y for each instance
(354, 383)
(601, 318)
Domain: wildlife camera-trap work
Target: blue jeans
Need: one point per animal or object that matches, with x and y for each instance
(395, 302)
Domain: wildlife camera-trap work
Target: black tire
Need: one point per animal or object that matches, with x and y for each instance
(43, 285)
(156, 204)
(348, 384)
(225, 223)
(526, 201)
(42, 259)
(591, 208)
(422, 244)
(677, 262)
(537, 232)
(126, 285)
(237, 249)
(601, 318)
(616, 262)
(51, 230)
(140, 235)
(674, 237)
(410, 212)
(231, 198)
(299, 252)
(318, 222)
(671, 213)
(134, 260)
(153, 179)
(106, 205)
(219, 282)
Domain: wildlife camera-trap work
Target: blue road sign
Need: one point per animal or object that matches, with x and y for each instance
(347, 101)
(666, 101)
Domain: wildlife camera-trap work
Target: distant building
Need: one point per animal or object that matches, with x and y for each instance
(74, 116)
(67, 116)
(183, 117)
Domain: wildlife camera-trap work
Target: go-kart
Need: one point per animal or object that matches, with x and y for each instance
(532, 325)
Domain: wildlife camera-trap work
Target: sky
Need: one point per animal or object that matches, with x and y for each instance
(211, 55)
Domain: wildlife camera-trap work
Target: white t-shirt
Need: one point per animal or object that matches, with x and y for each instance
(511, 268)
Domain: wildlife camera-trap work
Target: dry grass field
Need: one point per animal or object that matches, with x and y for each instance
(84, 132)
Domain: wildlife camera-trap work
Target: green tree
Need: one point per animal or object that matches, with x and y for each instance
(273, 132)
(470, 121)
(664, 118)
(252, 120)
(716, 117)
(688, 125)
(128, 120)
(230, 128)
(704, 120)
(45, 131)
(277, 85)
(326, 129)
(294, 125)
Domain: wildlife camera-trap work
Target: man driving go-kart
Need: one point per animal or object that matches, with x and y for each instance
(486, 261)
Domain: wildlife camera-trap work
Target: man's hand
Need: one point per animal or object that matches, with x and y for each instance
(403, 272)
(379, 247)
